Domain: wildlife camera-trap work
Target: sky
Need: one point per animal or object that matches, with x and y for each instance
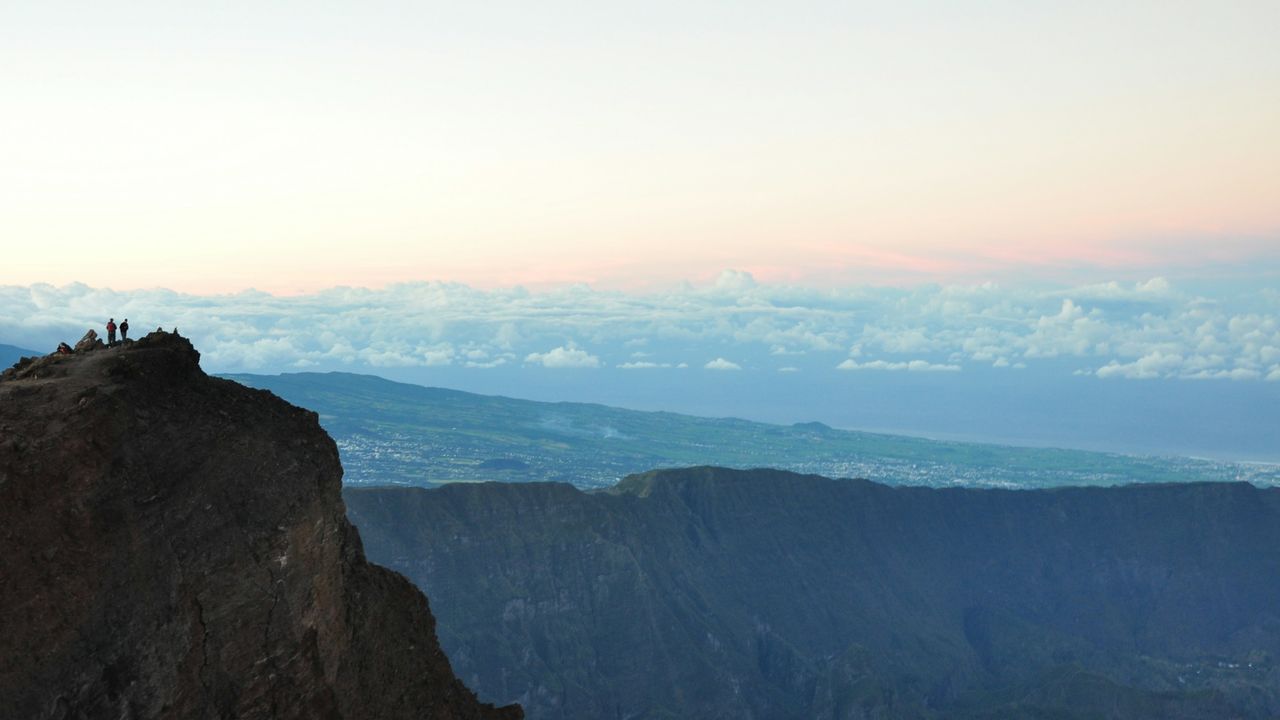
(1045, 223)
(292, 147)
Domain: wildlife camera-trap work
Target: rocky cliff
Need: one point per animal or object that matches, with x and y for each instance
(762, 594)
(175, 546)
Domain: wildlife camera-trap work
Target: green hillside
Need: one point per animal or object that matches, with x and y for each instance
(395, 433)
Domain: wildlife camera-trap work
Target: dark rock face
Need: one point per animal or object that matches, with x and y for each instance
(736, 594)
(175, 546)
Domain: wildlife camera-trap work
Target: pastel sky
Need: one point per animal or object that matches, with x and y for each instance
(293, 146)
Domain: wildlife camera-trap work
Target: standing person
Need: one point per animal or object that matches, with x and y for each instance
(124, 330)
(111, 331)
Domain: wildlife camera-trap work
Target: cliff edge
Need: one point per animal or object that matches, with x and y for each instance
(174, 545)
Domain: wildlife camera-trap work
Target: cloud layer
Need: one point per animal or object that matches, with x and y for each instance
(1112, 331)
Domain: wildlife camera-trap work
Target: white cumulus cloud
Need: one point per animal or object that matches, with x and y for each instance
(908, 366)
(643, 365)
(564, 357)
(722, 364)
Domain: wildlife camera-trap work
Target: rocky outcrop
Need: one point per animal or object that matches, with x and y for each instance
(175, 546)
(708, 592)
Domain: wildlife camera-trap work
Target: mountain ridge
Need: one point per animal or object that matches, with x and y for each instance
(769, 594)
(10, 354)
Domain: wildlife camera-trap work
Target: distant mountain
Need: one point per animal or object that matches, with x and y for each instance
(10, 354)
(396, 433)
(716, 593)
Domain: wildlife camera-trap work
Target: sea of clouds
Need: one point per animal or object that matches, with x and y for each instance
(1153, 329)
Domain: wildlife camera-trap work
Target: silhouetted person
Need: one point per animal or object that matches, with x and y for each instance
(64, 349)
(111, 331)
(124, 330)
